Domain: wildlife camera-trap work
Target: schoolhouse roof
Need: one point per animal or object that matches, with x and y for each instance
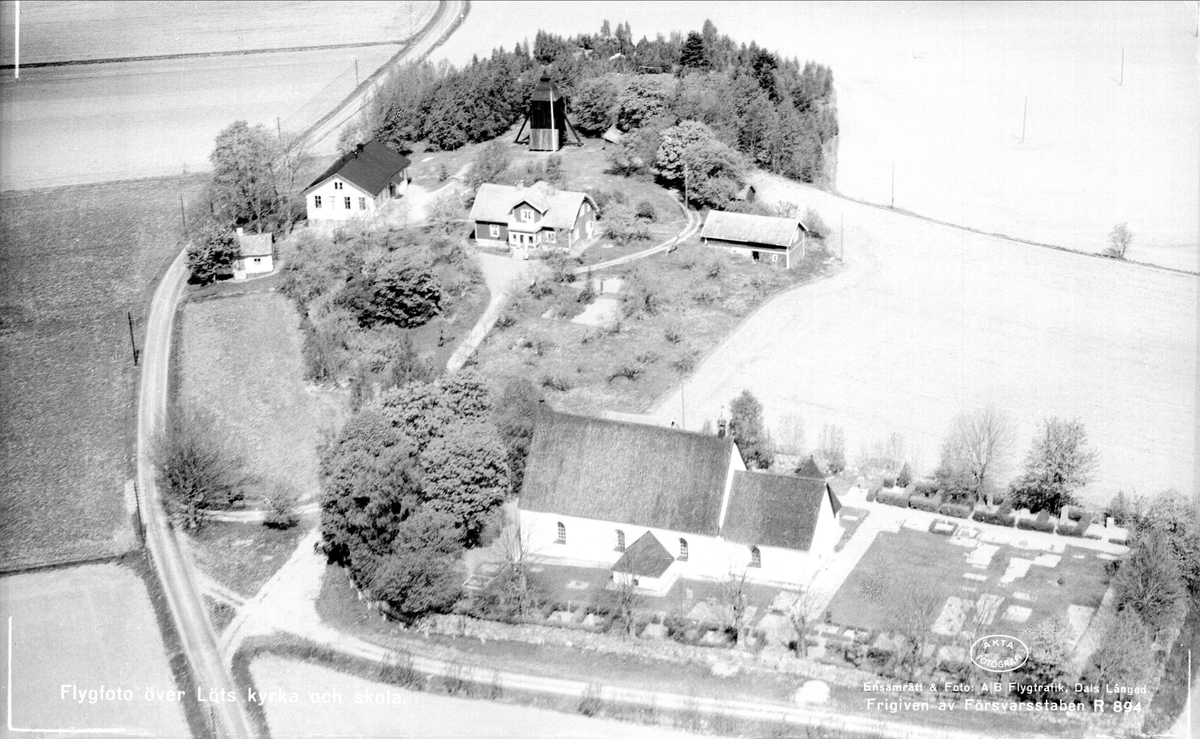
(647, 557)
(559, 208)
(626, 472)
(369, 167)
(746, 228)
(774, 510)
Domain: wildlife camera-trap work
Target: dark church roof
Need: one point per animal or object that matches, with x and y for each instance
(369, 167)
(646, 558)
(618, 471)
(545, 91)
(774, 510)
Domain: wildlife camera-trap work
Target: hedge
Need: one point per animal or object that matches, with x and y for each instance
(924, 504)
(897, 499)
(955, 511)
(1041, 523)
(996, 519)
(872, 493)
(1079, 526)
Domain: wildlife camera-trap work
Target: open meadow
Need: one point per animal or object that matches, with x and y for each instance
(240, 358)
(927, 321)
(74, 263)
(96, 122)
(938, 90)
(85, 629)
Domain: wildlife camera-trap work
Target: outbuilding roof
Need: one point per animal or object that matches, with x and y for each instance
(751, 229)
(369, 167)
(559, 208)
(646, 558)
(255, 245)
(774, 510)
(619, 471)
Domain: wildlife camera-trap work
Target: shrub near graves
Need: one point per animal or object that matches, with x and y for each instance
(900, 500)
(1001, 517)
(1076, 524)
(1041, 522)
(955, 511)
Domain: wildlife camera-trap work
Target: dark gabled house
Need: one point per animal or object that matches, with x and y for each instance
(357, 184)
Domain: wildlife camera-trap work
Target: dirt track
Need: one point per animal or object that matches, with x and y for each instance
(927, 321)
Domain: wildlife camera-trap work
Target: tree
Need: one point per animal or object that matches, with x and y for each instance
(405, 365)
(197, 467)
(1058, 464)
(733, 596)
(691, 158)
(1177, 520)
(281, 508)
(394, 287)
(624, 597)
(1150, 584)
(622, 225)
(1049, 658)
(643, 101)
(466, 476)
(832, 448)
(976, 445)
(913, 608)
(446, 213)
(636, 152)
(694, 54)
(490, 165)
(1119, 240)
(1124, 656)
(746, 428)
(425, 410)
(370, 483)
(418, 576)
(245, 162)
(212, 250)
(595, 106)
(802, 612)
(514, 418)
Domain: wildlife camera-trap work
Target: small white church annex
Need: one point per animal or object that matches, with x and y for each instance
(657, 504)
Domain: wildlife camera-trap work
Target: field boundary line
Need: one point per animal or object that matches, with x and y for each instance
(1003, 237)
(204, 54)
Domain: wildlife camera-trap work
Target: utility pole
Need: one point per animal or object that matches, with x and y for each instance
(278, 129)
(1121, 82)
(17, 42)
(893, 205)
(842, 239)
(1024, 115)
(685, 186)
(182, 213)
(132, 343)
(356, 72)
(683, 406)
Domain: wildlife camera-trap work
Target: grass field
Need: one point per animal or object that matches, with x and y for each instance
(243, 556)
(73, 261)
(88, 627)
(240, 358)
(928, 321)
(924, 560)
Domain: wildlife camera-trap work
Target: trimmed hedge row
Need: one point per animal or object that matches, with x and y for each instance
(954, 511)
(996, 519)
(1041, 523)
(924, 504)
(897, 499)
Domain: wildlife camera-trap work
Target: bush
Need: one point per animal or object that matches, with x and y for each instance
(556, 382)
(590, 702)
(954, 511)
(1077, 523)
(904, 479)
(890, 482)
(816, 225)
(628, 371)
(872, 493)
(685, 363)
(899, 500)
(281, 511)
(646, 212)
(925, 489)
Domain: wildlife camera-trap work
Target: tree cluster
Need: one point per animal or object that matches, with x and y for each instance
(411, 480)
(747, 429)
(779, 114)
(197, 467)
